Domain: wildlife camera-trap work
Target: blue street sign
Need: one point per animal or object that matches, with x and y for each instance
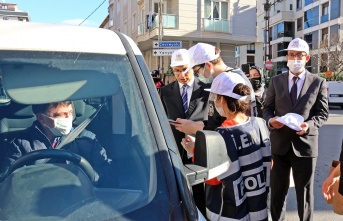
(167, 44)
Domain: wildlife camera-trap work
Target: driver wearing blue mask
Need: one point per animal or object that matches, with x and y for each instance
(53, 124)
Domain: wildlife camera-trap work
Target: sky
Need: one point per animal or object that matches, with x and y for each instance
(71, 12)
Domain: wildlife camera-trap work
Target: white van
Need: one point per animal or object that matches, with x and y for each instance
(103, 72)
(335, 93)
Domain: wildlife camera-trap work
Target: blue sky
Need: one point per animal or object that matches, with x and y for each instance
(64, 11)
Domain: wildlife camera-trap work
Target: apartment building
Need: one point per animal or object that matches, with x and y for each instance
(315, 21)
(11, 12)
(225, 24)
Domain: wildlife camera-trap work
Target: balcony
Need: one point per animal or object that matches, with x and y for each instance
(168, 21)
(141, 29)
(324, 18)
(216, 25)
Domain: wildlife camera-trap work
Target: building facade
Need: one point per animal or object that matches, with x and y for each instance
(224, 24)
(315, 21)
(11, 12)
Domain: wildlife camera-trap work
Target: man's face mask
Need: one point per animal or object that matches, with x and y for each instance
(61, 126)
(202, 77)
(296, 66)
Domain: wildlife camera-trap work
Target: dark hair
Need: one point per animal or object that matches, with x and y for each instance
(235, 105)
(155, 73)
(43, 108)
(258, 70)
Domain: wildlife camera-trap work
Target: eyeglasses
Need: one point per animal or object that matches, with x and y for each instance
(298, 56)
(197, 70)
(178, 72)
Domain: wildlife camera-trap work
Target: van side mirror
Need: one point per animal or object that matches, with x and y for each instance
(210, 157)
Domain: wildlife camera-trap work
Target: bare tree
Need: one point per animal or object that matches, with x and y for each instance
(330, 56)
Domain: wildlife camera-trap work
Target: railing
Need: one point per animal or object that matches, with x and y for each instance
(141, 28)
(324, 18)
(250, 51)
(216, 25)
(168, 21)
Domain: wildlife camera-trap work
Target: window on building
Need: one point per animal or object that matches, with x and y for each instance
(163, 7)
(251, 48)
(5, 18)
(281, 49)
(251, 60)
(216, 10)
(4, 6)
(324, 37)
(291, 7)
(311, 17)
(307, 2)
(134, 22)
(300, 24)
(308, 39)
(325, 13)
(299, 5)
(283, 29)
(335, 9)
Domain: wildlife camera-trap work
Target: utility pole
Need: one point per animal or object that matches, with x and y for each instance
(267, 6)
(160, 35)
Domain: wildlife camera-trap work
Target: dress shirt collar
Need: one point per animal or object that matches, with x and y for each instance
(301, 76)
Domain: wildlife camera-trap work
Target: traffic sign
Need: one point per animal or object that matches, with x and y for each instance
(269, 65)
(163, 52)
(167, 44)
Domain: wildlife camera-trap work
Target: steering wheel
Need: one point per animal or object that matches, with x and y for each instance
(56, 154)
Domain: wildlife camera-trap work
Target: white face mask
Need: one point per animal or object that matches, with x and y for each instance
(220, 110)
(296, 66)
(205, 80)
(62, 126)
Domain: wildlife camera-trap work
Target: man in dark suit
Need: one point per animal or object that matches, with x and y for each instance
(185, 98)
(303, 93)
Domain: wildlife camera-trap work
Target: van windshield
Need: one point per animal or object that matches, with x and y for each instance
(100, 86)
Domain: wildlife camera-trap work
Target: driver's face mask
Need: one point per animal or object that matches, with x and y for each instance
(62, 126)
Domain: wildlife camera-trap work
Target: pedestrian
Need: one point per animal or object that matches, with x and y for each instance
(207, 63)
(296, 92)
(155, 74)
(185, 98)
(259, 88)
(240, 193)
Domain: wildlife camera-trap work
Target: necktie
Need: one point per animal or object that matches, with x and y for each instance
(294, 90)
(184, 98)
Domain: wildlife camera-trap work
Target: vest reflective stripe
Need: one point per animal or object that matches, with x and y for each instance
(213, 216)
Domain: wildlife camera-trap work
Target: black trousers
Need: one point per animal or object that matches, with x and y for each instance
(303, 174)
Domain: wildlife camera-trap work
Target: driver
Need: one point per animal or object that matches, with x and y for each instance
(54, 122)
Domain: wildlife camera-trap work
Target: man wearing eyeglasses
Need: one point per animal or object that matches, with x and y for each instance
(185, 98)
(301, 92)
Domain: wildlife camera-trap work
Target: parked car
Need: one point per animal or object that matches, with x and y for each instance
(335, 93)
(103, 72)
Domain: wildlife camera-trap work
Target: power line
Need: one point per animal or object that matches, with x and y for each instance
(93, 12)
